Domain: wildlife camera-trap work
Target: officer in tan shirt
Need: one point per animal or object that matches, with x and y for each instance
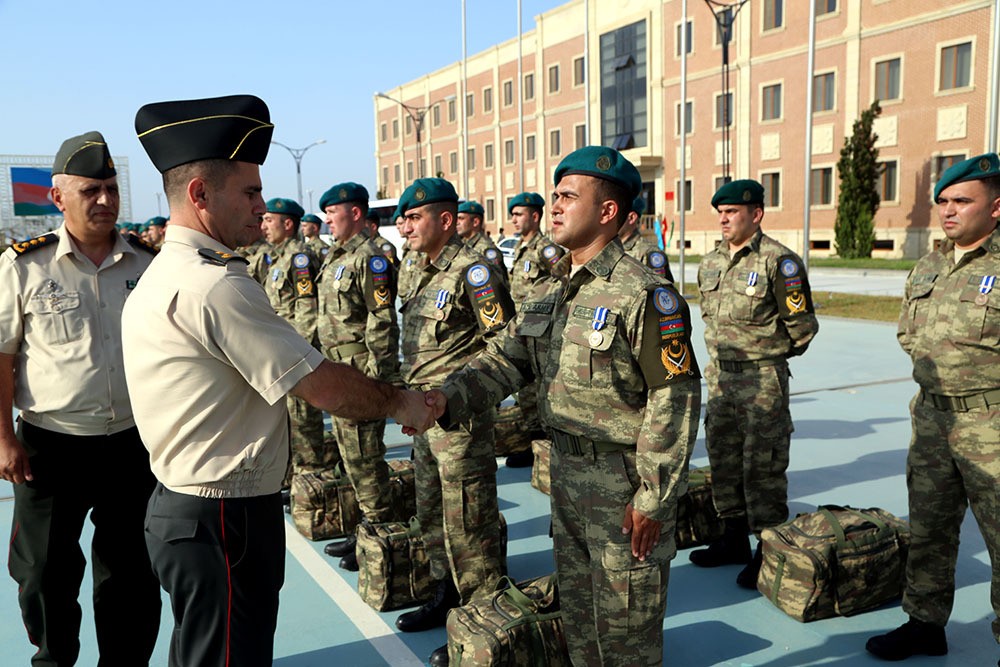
(76, 449)
(209, 364)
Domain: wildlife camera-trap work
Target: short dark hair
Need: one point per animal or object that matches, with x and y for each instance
(370, 216)
(992, 185)
(605, 190)
(214, 172)
(437, 208)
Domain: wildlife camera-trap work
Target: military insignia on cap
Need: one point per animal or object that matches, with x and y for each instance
(984, 164)
(603, 163)
(477, 275)
(378, 264)
(747, 196)
(279, 204)
(789, 268)
(665, 302)
(657, 260)
(343, 193)
(300, 261)
(420, 194)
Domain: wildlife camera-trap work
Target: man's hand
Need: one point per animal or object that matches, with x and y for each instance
(645, 532)
(413, 413)
(436, 399)
(14, 465)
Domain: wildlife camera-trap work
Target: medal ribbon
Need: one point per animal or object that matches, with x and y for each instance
(340, 272)
(442, 298)
(986, 284)
(752, 279)
(600, 317)
(527, 265)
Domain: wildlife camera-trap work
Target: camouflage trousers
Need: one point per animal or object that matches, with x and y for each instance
(309, 452)
(954, 461)
(527, 400)
(456, 482)
(362, 449)
(748, 427)
(612, 603)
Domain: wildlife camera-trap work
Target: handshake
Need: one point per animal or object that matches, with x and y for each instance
(416, 412)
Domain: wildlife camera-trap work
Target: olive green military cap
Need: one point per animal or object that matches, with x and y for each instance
(86, 155)
(426, 191)
(235, 127)
(288, 207)
(343, 193)
(471, 207)
(973, 169)
(638, 205)
(526, 199)
(315, 219)
(744, 191)
(601, 162)
(157, 221)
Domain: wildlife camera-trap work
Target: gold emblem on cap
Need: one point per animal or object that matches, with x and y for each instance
(420, 194)
(603, 163)
(984, 164)
(111, 163)
(279, 204)
(747, 195)
(343, 193)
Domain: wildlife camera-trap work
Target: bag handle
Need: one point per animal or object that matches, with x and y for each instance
(838, 528)
(516, 596)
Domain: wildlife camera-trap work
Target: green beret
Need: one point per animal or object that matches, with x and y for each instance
(157, 221)
(472, 208)
(86, 155)
(638, 205)
(288, 207)
(526, 199)
(745, 191)
(309, 217)
(343, 193)
(236, 127)
(427, 191)
(601, 162)
(973, 169)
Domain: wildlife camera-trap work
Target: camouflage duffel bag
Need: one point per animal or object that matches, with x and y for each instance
(540, 475)
(393, 569)
(520, 625)
(697, 522)
(835, 561)
(509, 433)
(324, 505)
(402, 488)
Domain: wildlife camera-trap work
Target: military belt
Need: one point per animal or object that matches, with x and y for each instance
(732, 366)
(346, 351)
(987, 399)
(580, 446)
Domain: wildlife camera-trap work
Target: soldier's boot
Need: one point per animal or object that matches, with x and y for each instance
(434, 613)
(732, 549)
(349, 562)
(523, 459)
(911, 638)
(439, 658)
(747, 578)
(341, 548)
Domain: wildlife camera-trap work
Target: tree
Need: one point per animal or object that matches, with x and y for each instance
(859, 170)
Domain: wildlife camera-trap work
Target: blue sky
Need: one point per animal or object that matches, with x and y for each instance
(72, 66)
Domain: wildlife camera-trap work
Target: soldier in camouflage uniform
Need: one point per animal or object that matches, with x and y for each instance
(758, 312)
(620, 397)
(470, 228)
(155, 228)
(409, 260)
(950, 326)
(257, 254)
(310, 226)
(456, 302)
(357, 326)
(372, 223)
(640, 248)
(289, 278)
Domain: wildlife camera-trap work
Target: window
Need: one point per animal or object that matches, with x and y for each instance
(453, 161)
(395, 173)
(687, 195)
(470, 158)
(942, 162)
(888, 181)
(623, 87)
(578, 71)
(774, 14)
(451, 110)
(409, 170)
(436, 115)
(488, 156)
(771, 102)
(679, 36)
(822, 187)
(487, 100)
(555, 143)
(385, 176)
(491, 209)
(438, 166)
(384, 132)
(529, 147)
(724, 26)
(772, 189)
(956, 66)
(688, 117)
(508, 93)
(395, 128)
(554, 79)
(529, 87)
(887, 79)
(723, 110)
(825, 7)
(470, 104)
(721, 180)
(408, 124)
(579, 136)
(508, 151)
(823, 92)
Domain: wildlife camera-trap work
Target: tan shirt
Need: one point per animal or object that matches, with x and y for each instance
(209, 364)
(60, 316)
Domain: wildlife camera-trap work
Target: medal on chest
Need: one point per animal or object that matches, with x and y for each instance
(439, 303)
(600, 320)
(751, 284)
(985, 287)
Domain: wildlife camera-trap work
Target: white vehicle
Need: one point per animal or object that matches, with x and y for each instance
(507, 246)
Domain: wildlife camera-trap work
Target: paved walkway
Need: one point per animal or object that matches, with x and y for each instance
(822, 279)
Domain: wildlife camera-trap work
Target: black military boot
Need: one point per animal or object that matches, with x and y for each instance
(350, 562)
(911, 638)
(434, 613)
(732, 549)
(747, 578)
(341, 548)
(439, 658)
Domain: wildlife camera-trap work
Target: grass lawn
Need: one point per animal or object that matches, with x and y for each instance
(834, 262)
(839, 304)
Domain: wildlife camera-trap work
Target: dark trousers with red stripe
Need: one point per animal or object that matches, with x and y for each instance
(222, 561)
(107, 476)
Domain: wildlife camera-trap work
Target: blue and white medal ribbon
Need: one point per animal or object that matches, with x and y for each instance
(442, 298)
(600, 317)
(751, 282)
(986, 284)
(339, 274)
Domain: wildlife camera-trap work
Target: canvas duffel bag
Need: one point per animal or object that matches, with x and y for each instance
(697, 522)
(540, 475)
(509, 433)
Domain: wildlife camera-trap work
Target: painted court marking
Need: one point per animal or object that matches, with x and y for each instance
(382, 638)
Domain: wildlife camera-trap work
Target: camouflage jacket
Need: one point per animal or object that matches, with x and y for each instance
(357, 305)
(457, 301)
(950, 319)
(482, 244)
(648, 254)
(318, 247)
(409, 268)
(612, 351)
(756, 304)
(386, 248)
(532, 272)
(288, 273)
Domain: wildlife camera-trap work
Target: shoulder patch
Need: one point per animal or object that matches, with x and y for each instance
(220, 258)
(378, 264)
(300, 260)
(552, 253)
(664, 301)
(388, 247)
(491, 253)
(667, 354)
(137, 242)
(657, 259)
(477, 275)
(23, 247)
(789, 267)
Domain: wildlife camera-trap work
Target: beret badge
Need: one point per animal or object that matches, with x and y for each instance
(420, 194)
(984, 164)
(343, 193)
(747, 196)
(603, 163)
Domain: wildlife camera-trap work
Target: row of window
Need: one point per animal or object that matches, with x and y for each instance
(773, 17)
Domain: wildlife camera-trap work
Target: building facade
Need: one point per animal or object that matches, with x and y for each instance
(610, 72)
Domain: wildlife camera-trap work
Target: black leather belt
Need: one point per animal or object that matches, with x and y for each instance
(740, 366)
(986, 399)
(580, 446)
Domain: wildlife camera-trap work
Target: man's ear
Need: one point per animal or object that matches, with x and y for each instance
(197, 192)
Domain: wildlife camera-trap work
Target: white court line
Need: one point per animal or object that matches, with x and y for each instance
(382, 637)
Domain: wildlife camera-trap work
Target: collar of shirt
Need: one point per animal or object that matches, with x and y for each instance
(67, 246)
(195, 239)
(600, 265)
(991, 243)
(448, 253)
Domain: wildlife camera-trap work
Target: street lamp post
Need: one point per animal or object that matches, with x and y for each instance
(417, 115)
(297, 154)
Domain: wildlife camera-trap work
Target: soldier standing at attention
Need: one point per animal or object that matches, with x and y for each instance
(950, 326)
(209, 363)
(76, 449)
(409, 259)
(310, 226)
(155, 227)
(457, 302)
(358, 326)
(758, 312)
(620, 397)
(640, 248)
(470, 228)
(372, 223)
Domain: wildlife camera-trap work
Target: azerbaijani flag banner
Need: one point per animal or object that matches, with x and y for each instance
(31, 191)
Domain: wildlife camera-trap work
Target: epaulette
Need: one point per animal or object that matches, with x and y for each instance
(220, 258)
(137, 242)
(23, 247)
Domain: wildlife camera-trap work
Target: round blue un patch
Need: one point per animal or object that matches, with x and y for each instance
(378, 264)
(550, 251)
(477, 275)
(657, 260)
(491, 253)
(789, 268)
(665, 302)
(301, 261)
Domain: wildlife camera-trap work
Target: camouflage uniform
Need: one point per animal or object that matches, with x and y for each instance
(357, 326)
(648, 254)
(620, 397)
(386, 247)
(318, 247)
(951, 329)
(409, 266)
(482, 244)
(258, 254)
(455, 471)
(758, 311)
